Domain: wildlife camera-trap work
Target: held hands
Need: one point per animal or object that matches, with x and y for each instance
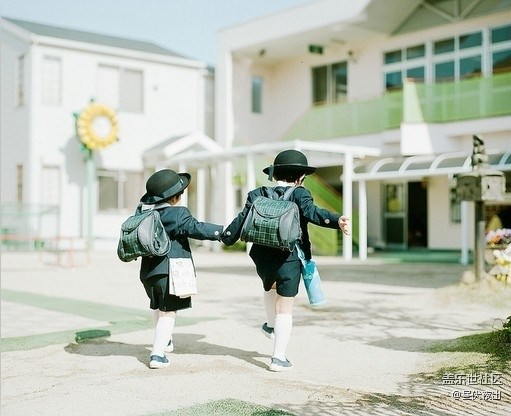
(343, 224)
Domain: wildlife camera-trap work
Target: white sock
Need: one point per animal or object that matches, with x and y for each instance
(162, 334)
(283, 326)
(270, 298)
(156, 316)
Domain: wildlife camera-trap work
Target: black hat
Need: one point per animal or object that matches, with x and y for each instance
(164, 184)
(289, 161)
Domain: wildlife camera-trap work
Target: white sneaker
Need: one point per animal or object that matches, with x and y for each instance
(158, 362)
(169, 347)
(268, 331)
(279, 365)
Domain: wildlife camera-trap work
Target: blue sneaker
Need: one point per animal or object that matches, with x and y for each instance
(267, 331)
(169, 347)
(158, 362)
(279, 365)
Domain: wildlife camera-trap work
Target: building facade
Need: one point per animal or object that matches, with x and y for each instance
(49, 77)
(413, 80)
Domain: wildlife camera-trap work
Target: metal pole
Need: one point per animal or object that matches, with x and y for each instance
(90, 205)
(479, 240)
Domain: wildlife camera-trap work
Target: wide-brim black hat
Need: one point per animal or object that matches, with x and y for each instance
(164, 184)
(289, 161)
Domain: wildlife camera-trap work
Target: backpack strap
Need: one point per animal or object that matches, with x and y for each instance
(139, 208)
(271, 193)
(268, 192)
(288, 193)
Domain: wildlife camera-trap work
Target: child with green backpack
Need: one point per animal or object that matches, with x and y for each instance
(278, 268)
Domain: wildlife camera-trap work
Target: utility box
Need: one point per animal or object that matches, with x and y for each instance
(481, 185)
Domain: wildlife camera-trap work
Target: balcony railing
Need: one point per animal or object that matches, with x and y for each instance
(431, 103)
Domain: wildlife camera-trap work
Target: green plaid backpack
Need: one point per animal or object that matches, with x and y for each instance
(142, 234)
(273, 221)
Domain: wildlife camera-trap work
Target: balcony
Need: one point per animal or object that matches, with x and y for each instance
(468, 99)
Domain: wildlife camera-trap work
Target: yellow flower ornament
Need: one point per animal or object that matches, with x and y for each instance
(97, 126)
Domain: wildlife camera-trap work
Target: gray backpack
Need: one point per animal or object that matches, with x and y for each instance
(142, 234)
(273, 221)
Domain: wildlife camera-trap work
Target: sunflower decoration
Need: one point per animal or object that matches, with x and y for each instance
(97, 126)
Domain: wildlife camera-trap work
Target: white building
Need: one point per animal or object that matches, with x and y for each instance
(413, 80)
(383, 95)
(49, 75)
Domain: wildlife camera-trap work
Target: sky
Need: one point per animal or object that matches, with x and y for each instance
(187, 27)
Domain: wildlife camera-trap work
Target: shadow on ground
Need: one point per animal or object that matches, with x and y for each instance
(186, 344)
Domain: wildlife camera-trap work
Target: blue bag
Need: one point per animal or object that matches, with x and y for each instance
(311, 280)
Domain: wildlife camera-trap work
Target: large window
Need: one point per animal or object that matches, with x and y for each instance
(120, 88)
(330, 83)
(119, 190)
(257, 94)
(450, 59)
(51, 81)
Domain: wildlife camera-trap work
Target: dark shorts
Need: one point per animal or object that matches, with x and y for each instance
(157, 289)
(286, 275)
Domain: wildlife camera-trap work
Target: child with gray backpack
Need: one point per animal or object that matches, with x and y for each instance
(164, 190)
(280, 268)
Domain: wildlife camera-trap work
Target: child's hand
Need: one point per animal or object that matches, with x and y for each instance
(343, 224)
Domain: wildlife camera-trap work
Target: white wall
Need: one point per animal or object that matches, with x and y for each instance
(14, 125)
(42, 135)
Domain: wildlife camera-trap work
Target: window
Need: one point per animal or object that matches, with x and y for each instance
(257, 94)
(119, 190)
(330, 83)
(131, 91)
(415, 52)
(501, 34)
(501, 49)
(443, 46)
(50, 185)
(406, 63)
(392, 57)
(51, 81)
(393, 80)
(501, 61)
(454, 58)
(444, 71)
(472, 40)
(19, 183)
(20, 81)
(120, 88)
(470, 67)
(415, 73)
(450, 59)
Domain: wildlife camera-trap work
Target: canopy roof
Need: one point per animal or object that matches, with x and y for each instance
(420, 166)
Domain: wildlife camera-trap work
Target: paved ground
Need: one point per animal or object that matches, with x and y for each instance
(367, 352)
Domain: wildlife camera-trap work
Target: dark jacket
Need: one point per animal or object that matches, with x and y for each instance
(179, 225)
(309, 213)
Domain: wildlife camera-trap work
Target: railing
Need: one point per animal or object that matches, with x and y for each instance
(326, 241)
(435, 103)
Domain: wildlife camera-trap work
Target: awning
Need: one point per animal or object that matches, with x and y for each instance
(422, 166)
